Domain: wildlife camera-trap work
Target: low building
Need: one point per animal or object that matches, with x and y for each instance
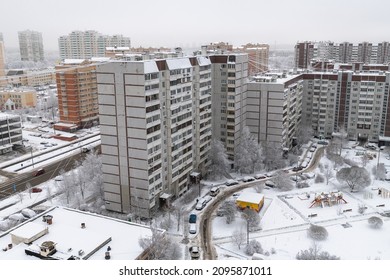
(63, 233)
(10, 132)
(254, 201)
(18, 99)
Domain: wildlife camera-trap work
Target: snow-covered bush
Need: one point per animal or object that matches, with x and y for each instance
(375, 222)
(317, 232)
(302, 185)
(254, 246)
(314, 253)
(228, 210)
(252, 218)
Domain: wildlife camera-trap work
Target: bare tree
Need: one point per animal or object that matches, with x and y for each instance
(229, 209)
(328, 172)
(365, 159)
(282, 181)
(273, 156)
(238, 238)
(160, 246)
(357, 178)
(315, 253)
(219, 163)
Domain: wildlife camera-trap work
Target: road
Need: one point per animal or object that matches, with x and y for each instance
(18, 181)
(206, 243)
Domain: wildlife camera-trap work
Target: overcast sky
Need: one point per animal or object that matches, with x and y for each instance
(193, 23)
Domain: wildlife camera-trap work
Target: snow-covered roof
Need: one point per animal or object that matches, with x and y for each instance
(73, 61)
(150, 66)
(100, 59)
(203, 61)
(178, 63)
(70, 237)
(250, 197)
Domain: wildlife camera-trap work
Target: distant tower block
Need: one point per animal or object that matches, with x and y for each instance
(328, 199)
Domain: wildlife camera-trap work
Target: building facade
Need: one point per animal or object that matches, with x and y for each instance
(31, 46)
(229, 84)
(10, 132)
(18, 99)
(274, 108)
(77, 93)
(88, 44)
(155, 119)
(258, 56)
(2, 65)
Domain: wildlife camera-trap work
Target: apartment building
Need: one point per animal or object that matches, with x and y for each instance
(31, 46)
(2, 64)
(17, 99)
(345, 52)
(77, 93)
(229, 84)
(274, 108)
(88, 44)
(10, 132)
(258, 56)
(155, 118)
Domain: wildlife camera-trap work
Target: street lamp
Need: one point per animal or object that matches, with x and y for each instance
(32, 156)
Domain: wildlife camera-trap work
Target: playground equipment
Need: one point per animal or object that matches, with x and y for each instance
(329, 199)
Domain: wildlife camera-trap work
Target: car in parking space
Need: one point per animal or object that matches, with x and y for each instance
(270, 184)
(270, 174)
(309, 175)
(201, 204)
(312, 149)
(59, 178)
(194, 252)
(36, 190)
(39, 172)
(207, 198)
(260, 176)
(214, 191)
(297, 168)
(322, 142)
(192, 218)
(248, 179)
(231, 182)
(192, 228)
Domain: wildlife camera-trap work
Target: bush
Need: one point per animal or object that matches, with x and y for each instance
(315, 254)
(317, 232)
(302, 185)
(254, 246)
(375, 222)
(319, 179)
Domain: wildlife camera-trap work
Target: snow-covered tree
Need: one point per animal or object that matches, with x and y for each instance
(328, 172)
(67, 187)
(375, 222)
(305, 133)
(379, 171)
(365, 159)
(254, 246)
(357, 178)
(229, 209)
(238, 238)
(252, 218)
(160, 246)
(29, 188)
(273, 156)
(317, 232)
(319, 179)
(282, 181)
(219, 163)
(248, 153)
(315, 253)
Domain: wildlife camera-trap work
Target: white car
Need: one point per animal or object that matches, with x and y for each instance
(248, 179)
(192, 228)
(201, 204)
(309, 175)
(231, 182)
(270, 184)
(207, 198)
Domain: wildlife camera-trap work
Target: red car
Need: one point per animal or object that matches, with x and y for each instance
(36, 190)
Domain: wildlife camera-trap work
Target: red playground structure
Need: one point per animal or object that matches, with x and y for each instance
(328, 199)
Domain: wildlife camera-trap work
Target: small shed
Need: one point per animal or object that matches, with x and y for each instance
(253, 201)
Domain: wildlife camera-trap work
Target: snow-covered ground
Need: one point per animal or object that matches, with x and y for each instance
(286, 216)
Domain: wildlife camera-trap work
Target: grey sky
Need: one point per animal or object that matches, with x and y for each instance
(193, 23)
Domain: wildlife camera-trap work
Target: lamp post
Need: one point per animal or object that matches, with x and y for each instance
(32, 156)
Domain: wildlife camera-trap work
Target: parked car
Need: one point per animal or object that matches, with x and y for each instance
(231, 182)
(309, 175)
(201, 204)
(214, 191)
(312, 149)
(85, 149)
(207, 198)
(260, 176)
(270, 184)
(192, 228)
(269, 174)
(322, 142)
(192, 218)
(297, 168)
(194, 252)
(248, 179)
(59, 178)
(39, 172)
(36, 190)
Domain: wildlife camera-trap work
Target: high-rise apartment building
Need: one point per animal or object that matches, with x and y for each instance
(274, 108)
(2, 62)
(258, 56)
(155, 121)
(10, 132)
(77, 93)
(31, 46)
(344, 52)
(88, 44)
(229, 84)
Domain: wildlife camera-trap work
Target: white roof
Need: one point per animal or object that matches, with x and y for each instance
(250, 197)
(178, 63)
(150, 66)
(203, 61)
(28, 230)
(73, 61)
